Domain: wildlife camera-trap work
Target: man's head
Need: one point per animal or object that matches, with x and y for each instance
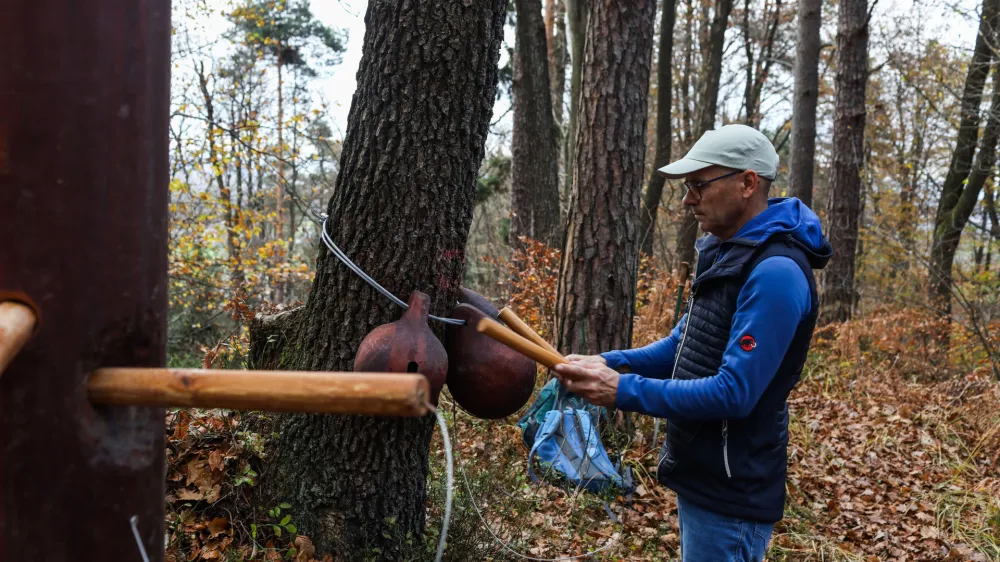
(727, 174)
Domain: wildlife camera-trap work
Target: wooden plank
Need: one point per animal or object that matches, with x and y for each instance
(375, 394)
(84, 92)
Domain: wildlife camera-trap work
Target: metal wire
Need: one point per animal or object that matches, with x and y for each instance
(328, 241)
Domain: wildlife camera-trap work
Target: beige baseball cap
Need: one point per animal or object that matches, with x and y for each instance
(733, 146)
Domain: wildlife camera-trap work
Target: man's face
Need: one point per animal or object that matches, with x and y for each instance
(722, 202)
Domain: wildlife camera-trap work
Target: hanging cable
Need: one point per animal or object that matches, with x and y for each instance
(328, 241)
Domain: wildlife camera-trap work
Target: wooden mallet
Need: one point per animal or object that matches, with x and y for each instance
(527, 342)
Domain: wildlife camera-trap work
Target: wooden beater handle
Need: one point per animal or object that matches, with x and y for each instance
(17, 321)
(518, 325)
(512, 340)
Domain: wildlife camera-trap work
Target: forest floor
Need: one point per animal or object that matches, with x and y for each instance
(882, 466)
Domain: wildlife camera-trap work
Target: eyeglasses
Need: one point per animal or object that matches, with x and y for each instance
(696, 187)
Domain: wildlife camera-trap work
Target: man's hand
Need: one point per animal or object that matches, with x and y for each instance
(591, 380)
(586, 359)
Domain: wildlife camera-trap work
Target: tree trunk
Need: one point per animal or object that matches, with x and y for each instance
(844, 205)
(945, 241)
(401, 209)
(577, 16)
(557, 64)
(758, 66)
(596, 295)
(664, 106)
(805, 98)
(535, 143)
(277, 288)
(948, 231)
(709, 99)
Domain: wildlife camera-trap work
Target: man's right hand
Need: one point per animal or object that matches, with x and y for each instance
(586, 359)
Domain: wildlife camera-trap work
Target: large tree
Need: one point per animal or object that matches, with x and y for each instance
(401, 209)
(964, 181)
(709, 99)
(664, 119)
(805, 98)
(596, 294)
(843, 208)
(535, 143)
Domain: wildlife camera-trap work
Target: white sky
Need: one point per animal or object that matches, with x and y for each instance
(953, 22)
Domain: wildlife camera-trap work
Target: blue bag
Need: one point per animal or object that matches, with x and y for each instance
(568, 444)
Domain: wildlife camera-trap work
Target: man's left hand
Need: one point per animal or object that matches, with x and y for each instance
(597, 383)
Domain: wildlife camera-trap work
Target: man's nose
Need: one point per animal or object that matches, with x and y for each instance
(689, 198)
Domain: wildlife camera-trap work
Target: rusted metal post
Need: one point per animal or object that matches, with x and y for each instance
(84, 103)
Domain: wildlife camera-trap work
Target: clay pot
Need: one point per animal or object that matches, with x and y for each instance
(487, 379)
(406, 346)
(479, 301)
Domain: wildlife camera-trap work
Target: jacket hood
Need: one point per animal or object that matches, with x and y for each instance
(786, 216)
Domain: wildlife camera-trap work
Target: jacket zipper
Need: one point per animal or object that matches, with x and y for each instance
(680, 346)
(725, 446)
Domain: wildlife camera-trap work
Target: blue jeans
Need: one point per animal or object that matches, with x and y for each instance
(707, 536)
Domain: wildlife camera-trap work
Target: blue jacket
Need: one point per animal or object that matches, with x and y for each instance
(754, 308)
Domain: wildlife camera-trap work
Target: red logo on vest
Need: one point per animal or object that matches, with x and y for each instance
(748, 343)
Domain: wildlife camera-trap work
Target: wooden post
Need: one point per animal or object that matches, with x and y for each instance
(373, 394)
(84, 106)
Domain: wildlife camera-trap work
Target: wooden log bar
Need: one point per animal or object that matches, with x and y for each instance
(511, 339)
(17, 322)
(515, 323)
(375, 394)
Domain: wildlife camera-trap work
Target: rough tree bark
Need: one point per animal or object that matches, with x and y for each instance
(401, 209)
(709, 98)
(534, 194)
(664, 106)
(806, 96)
(577, 16)
(596, 294)
(947, 224)
(844, 204)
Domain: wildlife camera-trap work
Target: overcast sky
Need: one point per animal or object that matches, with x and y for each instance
(953, 22)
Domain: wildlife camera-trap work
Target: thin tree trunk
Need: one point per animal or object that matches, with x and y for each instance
(402, 210)
(277, 289)
(687, 119)
(535, 142)
(709, 101)
(949, 229)
(577, 16)
(805, 99)
(758, 67)
(844, 205)
(557, 64)
(664, 105)
(596, 295)
(945, 240)
(225, 194)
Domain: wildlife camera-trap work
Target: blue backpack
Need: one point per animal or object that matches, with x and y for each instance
(562, 430)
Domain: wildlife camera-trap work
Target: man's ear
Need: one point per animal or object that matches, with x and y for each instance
(751, 183)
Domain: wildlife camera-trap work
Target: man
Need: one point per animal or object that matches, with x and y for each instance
(722, 377)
